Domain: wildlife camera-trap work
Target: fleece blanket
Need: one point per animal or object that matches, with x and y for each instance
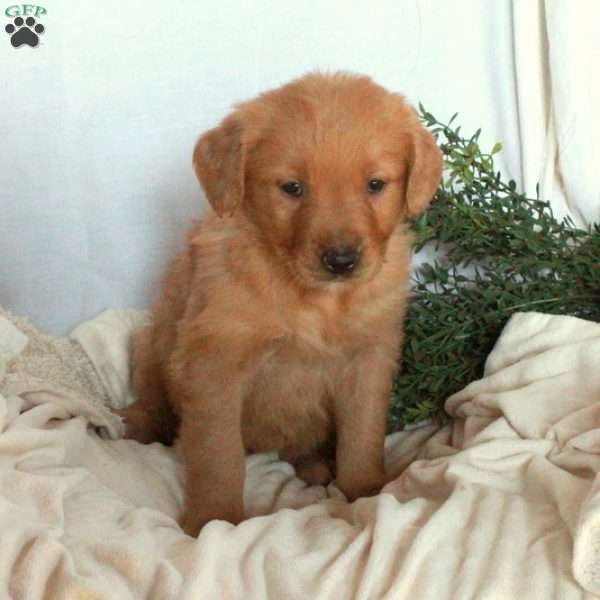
(503, 503)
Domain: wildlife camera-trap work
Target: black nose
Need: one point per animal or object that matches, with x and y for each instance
(341, 260)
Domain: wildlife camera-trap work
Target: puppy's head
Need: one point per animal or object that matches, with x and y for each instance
(325, 168)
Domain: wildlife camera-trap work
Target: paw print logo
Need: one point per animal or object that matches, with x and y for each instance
(24, 32)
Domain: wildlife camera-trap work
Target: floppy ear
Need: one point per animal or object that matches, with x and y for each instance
(219, 163)
(425, 171)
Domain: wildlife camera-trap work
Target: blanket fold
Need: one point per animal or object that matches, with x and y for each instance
(503, 503)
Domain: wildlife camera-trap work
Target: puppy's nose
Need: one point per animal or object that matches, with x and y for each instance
(340, 260)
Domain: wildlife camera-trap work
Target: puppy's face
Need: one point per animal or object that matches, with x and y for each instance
(325, 168)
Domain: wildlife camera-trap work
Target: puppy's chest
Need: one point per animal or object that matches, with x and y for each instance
(301, 359)
(288, 401)
(331, 329)
(308, 352)
(286, 404)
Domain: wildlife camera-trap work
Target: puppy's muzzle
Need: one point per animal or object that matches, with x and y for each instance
(341, 260)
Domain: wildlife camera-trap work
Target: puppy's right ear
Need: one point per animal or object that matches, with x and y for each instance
(219, 163)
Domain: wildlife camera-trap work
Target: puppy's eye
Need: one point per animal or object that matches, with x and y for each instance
(292, 188)
(374, 186)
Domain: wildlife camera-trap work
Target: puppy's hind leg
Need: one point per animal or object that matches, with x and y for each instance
(315, 468)
(151, 417)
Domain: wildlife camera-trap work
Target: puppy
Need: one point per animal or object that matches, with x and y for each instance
(279, 326)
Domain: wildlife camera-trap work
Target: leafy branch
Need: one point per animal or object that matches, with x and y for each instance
(500, 253)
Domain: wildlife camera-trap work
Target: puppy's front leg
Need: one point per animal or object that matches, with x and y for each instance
(360, 416)
(207, 380)
(213, 457)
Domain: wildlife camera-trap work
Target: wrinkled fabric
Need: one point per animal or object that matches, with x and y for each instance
(503, 503)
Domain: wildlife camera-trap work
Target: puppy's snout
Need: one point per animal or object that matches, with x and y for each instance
(340, 260)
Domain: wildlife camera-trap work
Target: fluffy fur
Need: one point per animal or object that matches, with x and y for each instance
(255, 345)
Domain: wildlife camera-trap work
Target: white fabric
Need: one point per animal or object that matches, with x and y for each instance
(107, 341)
(98, 122)
(556, 51)
(488, 508)
(12, 343)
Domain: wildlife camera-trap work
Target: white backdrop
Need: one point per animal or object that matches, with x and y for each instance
(98, 122)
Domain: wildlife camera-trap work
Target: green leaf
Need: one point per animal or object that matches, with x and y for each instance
(519, 257)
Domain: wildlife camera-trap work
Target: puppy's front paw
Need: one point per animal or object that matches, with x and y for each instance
(191, 524)
(361, 485)
(192, 521)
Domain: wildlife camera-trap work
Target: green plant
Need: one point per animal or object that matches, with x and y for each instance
(501, 253)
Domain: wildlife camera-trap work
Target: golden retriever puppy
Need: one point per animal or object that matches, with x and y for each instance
(279, 325)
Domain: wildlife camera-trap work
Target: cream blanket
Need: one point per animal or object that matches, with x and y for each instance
(502, 504)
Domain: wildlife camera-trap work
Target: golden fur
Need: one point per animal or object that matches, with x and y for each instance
(255, 345)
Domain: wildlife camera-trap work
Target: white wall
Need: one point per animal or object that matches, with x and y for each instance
(97, 124)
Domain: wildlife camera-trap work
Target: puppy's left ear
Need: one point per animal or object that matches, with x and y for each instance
(425, 171)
